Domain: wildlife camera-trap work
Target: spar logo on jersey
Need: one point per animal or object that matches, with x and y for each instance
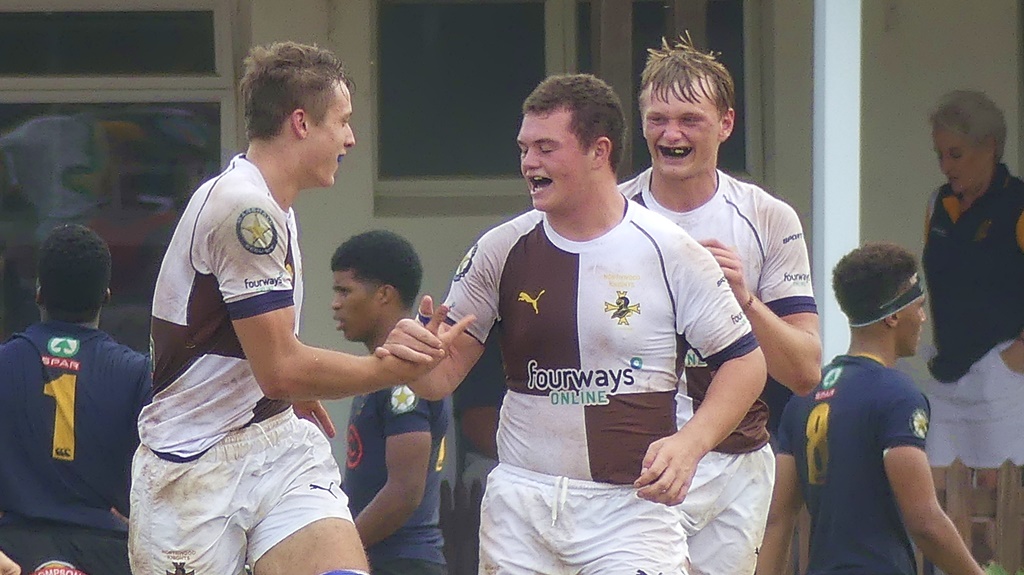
(256, 231)
(788, 239)
(571, 386)
(622, 309)
(919, 423)
(54, 567)
(63, 346)
(465, 264)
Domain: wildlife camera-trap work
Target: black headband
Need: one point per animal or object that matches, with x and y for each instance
(892, 306)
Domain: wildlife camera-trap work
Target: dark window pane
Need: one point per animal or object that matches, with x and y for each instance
(125, 170)
(725, 35)
(452, 82)
(106, 43)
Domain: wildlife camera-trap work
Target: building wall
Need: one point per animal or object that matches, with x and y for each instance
(912, 53)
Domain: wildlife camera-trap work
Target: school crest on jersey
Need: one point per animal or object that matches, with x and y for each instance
(403, 400)
(256, 231)
(180, 569)
(919, 423)
(622, 309)
(63, 346)
(465, 264)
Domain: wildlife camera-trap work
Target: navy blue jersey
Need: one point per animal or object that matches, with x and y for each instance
(70, 398)
(838, 435)
(375, 417)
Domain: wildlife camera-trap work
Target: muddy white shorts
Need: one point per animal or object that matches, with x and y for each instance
(249, 492)
(533, 523)
(726, 510)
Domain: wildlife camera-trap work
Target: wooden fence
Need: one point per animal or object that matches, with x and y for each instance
(987, 507)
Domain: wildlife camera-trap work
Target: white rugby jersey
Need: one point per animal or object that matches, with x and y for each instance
(234, 254)
(766, 234)
(591, 337)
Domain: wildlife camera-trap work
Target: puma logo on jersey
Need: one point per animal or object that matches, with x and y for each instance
(621, 309)
(523, 296)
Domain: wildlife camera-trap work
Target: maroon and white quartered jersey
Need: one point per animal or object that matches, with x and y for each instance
(234, 254)
(591, 337)
(766, 234)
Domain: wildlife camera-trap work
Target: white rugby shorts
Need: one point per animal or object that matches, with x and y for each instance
(535, 523)
(726, 510)
(249, 492)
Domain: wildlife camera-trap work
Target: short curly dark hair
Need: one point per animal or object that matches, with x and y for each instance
(382, 257)
(595, 108)
(74, 273)
(871, 275)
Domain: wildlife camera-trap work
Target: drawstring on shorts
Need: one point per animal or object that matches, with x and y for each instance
(561, 493)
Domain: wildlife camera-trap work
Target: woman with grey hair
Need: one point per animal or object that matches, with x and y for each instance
(974, 266)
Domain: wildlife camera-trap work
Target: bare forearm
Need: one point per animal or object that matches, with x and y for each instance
(386, 513)
(941, 544)
(792, 352)
(734, 388)
(312, 373)
(439, 382)
(773, 555)
(449, 373)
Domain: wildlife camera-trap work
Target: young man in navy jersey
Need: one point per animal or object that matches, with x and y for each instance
(396, 440)
(853, 449)
(70, 397)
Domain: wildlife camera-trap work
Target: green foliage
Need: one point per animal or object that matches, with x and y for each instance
(996, 569)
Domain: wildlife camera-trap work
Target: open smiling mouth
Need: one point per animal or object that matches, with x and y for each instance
(678, 152)
(538, 183)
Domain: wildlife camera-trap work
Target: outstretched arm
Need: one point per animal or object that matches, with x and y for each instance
(440, 382)
(285, 368)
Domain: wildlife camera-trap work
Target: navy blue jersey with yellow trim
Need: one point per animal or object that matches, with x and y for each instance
(70, 398)
(375, 417)
(974, 265)
(838, 435)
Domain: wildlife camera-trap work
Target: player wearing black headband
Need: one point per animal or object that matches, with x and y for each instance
(853, 449)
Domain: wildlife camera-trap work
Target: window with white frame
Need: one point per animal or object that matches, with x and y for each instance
(452, 75)
(108, 118)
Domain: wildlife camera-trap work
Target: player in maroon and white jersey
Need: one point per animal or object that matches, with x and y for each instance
(596, 300)
(686, 104)
(227, 474)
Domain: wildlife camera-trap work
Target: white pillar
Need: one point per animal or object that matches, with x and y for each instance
(836, 157)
